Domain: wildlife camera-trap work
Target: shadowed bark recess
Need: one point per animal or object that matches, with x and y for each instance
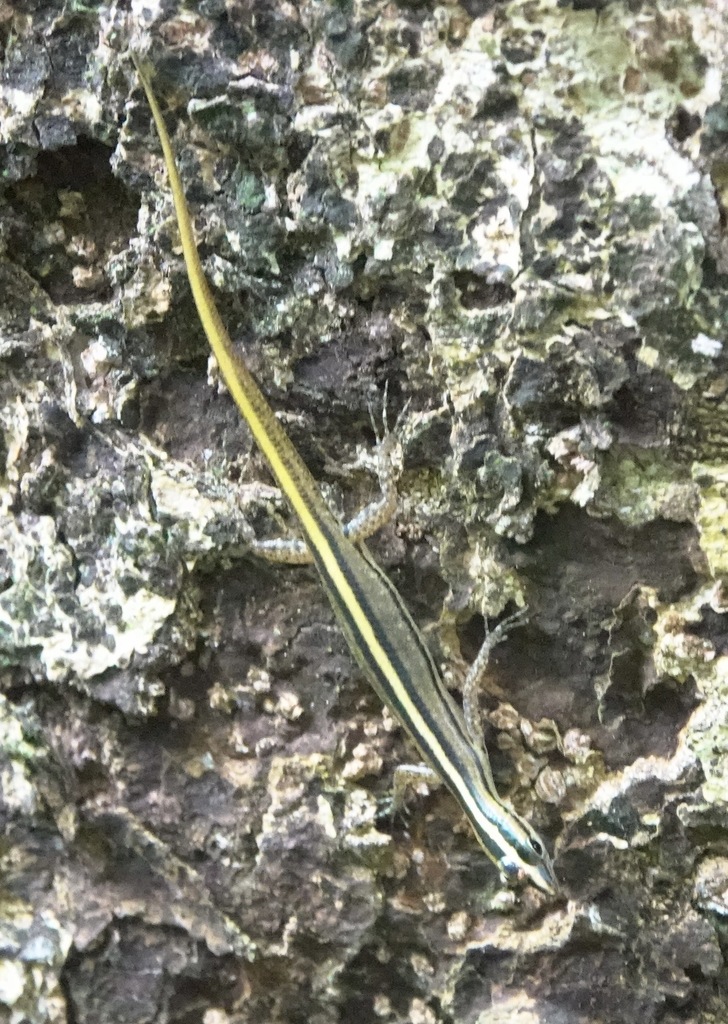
(506, 222)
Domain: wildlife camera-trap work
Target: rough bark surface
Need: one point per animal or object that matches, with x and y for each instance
(510, 219)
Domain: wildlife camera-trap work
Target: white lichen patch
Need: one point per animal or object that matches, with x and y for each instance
(381, 179)
(494, 585)
(38, 560)
(14, 423)
(641, 491)
(179, 499)
(712, 518)
(711, 886)
(30, 979)
(75, 616)
(17, 789)
(626, 121)
(288, 780)
(12, 982)
(147, 295)
(702, 345)
(18, 793)
(679, 653)
(145, 612)
(364, 760)
(707, 734)
(668, 770)
(19, 97)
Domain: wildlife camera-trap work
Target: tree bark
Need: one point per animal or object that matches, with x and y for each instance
(503, 224)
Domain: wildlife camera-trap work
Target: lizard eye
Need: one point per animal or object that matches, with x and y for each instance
(537, 847)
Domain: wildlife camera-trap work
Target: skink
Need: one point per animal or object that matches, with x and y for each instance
(383, 638)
